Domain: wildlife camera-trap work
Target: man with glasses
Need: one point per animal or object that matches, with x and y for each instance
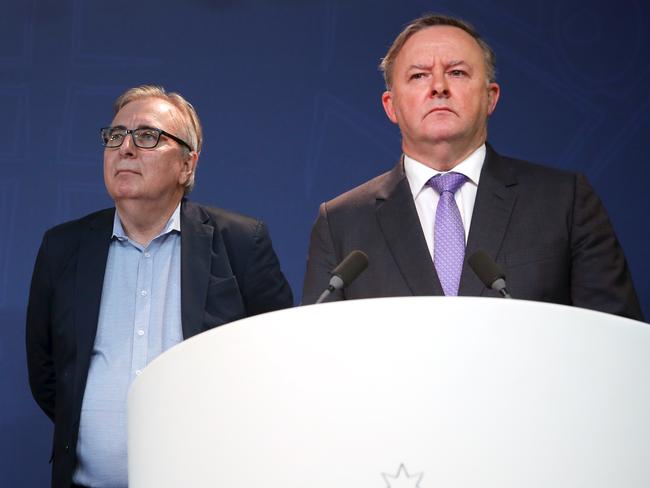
(114, 289)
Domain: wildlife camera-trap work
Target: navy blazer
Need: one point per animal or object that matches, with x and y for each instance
(229, 271)
(545, 227)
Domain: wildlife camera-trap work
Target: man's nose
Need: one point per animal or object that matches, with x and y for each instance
(127, 149)
(439, 85)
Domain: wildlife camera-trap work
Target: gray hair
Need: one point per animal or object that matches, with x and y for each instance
(191, 118)
(431, 20)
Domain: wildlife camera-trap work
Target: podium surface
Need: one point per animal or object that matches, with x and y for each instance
(401, 392)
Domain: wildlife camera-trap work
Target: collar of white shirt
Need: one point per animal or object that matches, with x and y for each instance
(418, 173)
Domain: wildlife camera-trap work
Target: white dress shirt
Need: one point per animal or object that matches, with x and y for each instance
(426, 198)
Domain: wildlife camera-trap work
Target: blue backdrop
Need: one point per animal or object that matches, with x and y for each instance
(289, 94)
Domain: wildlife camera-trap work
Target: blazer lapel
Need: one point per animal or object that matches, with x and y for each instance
(196, 250)
(399, 222)
(495, 199)
(91, 266)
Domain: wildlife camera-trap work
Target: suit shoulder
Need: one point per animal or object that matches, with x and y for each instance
(72, 229)
(225, 220)
(61, 242)
(365, 194)
(539, 173)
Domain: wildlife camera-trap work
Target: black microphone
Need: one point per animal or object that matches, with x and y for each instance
(488, 272)
(345, 273)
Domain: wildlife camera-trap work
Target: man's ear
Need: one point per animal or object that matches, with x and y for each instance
(493, 96)
(387, 102)
(189, 166)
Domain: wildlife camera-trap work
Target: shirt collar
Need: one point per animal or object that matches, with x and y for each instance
(173, 224)
(418, 173)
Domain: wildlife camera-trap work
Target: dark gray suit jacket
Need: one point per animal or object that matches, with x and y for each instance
(228, 271)
(546, 228)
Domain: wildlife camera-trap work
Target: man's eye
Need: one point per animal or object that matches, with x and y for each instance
(457, 72)
(418, 76)
(147, 135)
(116, 136)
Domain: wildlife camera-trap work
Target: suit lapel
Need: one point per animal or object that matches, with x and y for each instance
(196, 249)
(495, 199)
(89, 282)
(399, 222)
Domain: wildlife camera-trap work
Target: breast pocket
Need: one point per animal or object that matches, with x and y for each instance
(537, 254)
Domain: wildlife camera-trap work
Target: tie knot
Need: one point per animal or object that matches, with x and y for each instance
(447, 182)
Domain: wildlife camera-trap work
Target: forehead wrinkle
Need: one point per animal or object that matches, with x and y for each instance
(420, 66)
(440, 42)
(137, 120)
(143, 113)
(446, 64)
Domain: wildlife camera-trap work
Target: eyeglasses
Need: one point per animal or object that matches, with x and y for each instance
(144, 137)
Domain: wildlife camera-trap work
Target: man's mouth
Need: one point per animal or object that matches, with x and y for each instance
(440, 109)
(126, 171)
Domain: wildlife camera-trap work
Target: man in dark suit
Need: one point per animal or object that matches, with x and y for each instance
(114, 289)
(451, 194)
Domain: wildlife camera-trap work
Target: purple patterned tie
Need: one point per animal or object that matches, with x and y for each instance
(449, 245)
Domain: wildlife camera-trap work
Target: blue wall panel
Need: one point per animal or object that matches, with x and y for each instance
(289, 94)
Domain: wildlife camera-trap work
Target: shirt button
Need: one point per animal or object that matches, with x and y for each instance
(138, 372)
(147, 255)
(140, 332)
(143, 293)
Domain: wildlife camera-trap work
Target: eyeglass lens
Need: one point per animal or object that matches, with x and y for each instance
(144, 137)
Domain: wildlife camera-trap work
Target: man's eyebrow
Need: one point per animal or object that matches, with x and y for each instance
(419, 66)
(456, 62)
(450, 64)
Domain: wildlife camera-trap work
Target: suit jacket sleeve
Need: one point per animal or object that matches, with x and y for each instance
(600, 278)
(264, 287)
(322, 258)
(40, 363)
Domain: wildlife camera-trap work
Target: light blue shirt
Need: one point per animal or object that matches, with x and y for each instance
(139, 318)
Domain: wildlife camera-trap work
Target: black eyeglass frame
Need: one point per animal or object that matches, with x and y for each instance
(131, 131)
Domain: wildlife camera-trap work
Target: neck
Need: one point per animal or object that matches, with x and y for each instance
(441, 156)
(144, 220)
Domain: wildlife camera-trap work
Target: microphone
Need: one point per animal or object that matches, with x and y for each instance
(345, 273)
(488, 272)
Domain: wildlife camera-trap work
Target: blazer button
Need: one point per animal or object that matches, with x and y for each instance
(67, 448)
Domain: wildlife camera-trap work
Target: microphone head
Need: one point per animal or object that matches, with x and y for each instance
(351, 267)
(485, 268)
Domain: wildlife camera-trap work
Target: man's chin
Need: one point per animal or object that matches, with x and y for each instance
(124, 192)
(442, 136)
(441, 128)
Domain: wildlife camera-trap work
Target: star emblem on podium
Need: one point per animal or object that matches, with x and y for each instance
(402, 479)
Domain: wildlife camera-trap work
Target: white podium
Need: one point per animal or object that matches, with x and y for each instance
(402, 392)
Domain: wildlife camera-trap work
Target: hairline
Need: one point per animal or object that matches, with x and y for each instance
(186, 122)
(189, 117)
(429, 21)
